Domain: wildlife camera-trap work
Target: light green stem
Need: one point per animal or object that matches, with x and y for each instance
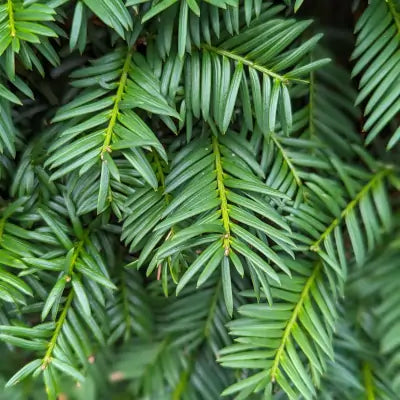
(350, 206)
(250, 64)
(53, 341)
(10, 10)
(222, 195)
(63, 315)
(293, 319)
(115, 111)
(368, 381)
(286, 158)
(396, 15)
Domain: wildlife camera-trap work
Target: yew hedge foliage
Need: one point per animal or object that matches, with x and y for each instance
(199, 200)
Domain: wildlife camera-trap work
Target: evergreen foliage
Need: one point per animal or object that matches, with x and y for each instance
(199, 200)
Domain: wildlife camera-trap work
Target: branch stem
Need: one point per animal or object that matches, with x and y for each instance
(368, 381)
(115, 111)
(293, 319)
(250, 64)
(63, 315)
(350, 206)
(395, 13)
(286, 158)
(222, 194)
(53, 341)
(10, 10)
